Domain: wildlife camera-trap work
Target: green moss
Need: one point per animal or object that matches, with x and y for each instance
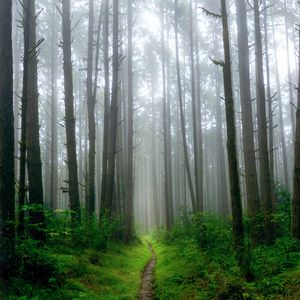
(184, 270)
(114, 274)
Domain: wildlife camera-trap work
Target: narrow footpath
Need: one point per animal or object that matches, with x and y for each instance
(146, 292)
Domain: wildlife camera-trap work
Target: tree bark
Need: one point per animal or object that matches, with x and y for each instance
(54, 154)
(69, 114)
(111, 158)
(34, 164)
(91, 115)
(197, 159)
(296, 192)
(130, 181)
(236, 203)
(166, 144)
(252, 194)
(265, 178)
(105, 206)
(182, 118)
(7, 176)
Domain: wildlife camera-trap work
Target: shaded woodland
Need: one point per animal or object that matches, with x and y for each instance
(169, 125)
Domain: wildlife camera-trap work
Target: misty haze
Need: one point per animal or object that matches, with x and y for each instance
(149, 149)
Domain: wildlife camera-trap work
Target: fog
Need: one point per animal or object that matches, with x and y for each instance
(155, 93)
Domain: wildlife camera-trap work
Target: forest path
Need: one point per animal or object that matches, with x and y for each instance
(146, 292)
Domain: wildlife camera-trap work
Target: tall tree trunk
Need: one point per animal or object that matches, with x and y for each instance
(167, 175)
(182, 118)
(154, 164)
(252, 193)
(199, 115)
(34, 164)
(236, 203)
(265, 178)
(111, 157)
(7, 176)
(197, 162)
(168, 130)
(296, 192)
(105, 206)
(54, 154)
(291, 94)
(270, 107)
(69, 112)
(91, 114)
(129, 183)
(222, 170)
(281, 123)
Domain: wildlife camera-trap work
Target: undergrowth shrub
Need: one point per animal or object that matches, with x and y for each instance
(89, 233)
(35, 264)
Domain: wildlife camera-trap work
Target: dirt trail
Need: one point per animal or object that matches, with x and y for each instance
(146, 292)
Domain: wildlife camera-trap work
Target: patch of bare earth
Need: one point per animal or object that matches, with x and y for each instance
(146, 292)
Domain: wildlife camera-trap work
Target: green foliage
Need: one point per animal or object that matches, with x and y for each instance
(78, 261)
(89, 233)
(196, 261)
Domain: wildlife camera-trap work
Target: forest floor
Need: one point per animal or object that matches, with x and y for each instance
(112, 274)
(166, 269)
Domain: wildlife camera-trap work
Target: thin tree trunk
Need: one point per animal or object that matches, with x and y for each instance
(54, 164)
(199, 116)
(270, 108)
(110, 184)
(167, 175)
(105, 206)
(197, 163)
(289, 68)
(265, 178)
(129, 183)
(91, 115)
(236, 203)
(252, 194)
(281, 123)
(69, 111)
(296, 192)
(182, 118)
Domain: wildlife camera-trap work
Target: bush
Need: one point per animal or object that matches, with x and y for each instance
(35, 264)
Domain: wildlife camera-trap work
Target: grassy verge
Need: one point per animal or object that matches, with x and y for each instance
(185, 271)
(109, 275)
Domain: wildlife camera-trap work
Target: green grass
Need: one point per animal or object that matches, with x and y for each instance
(111, 275)
(185, 271)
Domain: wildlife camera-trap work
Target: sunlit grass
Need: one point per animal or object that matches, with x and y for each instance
(113, 274)
(116, 274)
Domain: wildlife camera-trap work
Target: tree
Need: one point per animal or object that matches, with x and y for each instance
(182, 118)
(236, 203)
(166, 137)
(7, 180)
(252, 194)
(104, 205)
(54, 163)
(91, 114)
(296, 182)
(130, 180)
(30, 100)
(113, 124)
(198, 169)
(265, 178)
(69, 113)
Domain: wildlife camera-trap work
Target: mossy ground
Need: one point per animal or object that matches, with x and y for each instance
(184, 271)
(110, 275)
